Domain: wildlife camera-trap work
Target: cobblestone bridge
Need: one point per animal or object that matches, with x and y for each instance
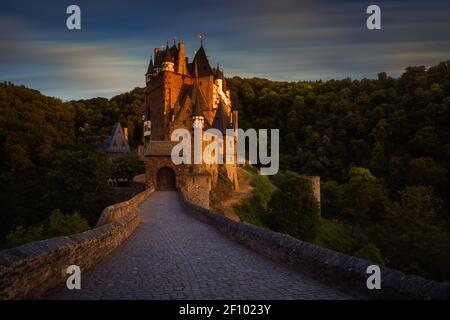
(174, 256)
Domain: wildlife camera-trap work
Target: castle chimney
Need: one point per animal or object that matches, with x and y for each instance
(182, 63)
(234, 118)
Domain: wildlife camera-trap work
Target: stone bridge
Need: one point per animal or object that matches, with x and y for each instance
(171, 255)
(176, 250)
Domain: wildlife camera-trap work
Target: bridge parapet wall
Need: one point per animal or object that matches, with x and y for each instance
(337, 269)
(33, 269)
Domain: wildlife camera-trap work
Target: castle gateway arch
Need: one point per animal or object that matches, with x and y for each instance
(165, 179)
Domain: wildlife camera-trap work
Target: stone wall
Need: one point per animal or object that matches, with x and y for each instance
(325, 265)
(197, 188)
(31, 270)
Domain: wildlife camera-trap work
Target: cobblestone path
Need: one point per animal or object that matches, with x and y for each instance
(173, 256)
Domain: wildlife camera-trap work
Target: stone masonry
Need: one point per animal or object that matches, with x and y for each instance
(31, 270)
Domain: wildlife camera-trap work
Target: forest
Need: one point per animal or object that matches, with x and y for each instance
(382, 150)
(381, 147)
(53, 175)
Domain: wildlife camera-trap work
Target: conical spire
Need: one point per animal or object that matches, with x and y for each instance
(197, 108)
(218, 74)
(150, 66)
(220, 120)
(168, 56)
(200, 55)
(204, 69)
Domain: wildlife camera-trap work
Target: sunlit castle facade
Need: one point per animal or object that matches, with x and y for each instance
(188, 95)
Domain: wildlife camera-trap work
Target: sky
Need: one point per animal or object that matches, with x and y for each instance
(287, 40)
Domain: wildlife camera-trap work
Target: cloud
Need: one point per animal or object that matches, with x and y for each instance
(280, 40)
(70, 69)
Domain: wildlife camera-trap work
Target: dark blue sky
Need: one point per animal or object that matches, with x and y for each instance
(279, 40)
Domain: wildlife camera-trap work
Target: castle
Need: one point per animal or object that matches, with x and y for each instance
(187, 95)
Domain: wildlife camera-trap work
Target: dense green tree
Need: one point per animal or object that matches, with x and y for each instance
(64, 225)
(22, 235)
(362, 198)
(413, 235)
(293, 208)
(77, 181)
(127, 167)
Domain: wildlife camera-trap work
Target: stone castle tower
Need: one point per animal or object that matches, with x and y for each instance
(188, 95)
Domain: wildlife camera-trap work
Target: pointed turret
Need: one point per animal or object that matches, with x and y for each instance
(174, 49)
(200, 55)
(197, 115)
(168, 62)
(149, 73)
(199, 102)
(218, 74)
(168, 57)
(150, 66)
(204, 69)
(221, 120)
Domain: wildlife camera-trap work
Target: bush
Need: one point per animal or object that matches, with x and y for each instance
(57, 225)
(372, 253)
(64, 225)
(21, 235)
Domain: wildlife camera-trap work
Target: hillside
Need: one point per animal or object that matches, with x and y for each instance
(50, 162)
(382, 149)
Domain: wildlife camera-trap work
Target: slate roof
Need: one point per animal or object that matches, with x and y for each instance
(168, 55)
(201, 63)
(199, 101)
(150, 66)
(159, 148)
(221, 120)
(116, 142)
(218, 74)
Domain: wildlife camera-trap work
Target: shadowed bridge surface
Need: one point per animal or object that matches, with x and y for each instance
(173, 256)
